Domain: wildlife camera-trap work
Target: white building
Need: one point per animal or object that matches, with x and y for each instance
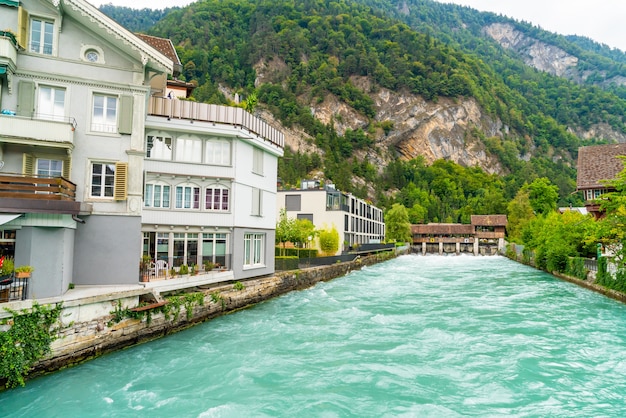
(357, 221)
(85, 132)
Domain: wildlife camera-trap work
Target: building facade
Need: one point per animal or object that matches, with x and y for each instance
(484, 235)
(85, 131)
(357, 221)
(598, 164)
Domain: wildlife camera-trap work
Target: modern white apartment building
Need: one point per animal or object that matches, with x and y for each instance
(357, 221)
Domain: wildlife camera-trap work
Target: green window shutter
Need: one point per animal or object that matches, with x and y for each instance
(120, 187)
(26, 98)
(126, 114)
(28, 164)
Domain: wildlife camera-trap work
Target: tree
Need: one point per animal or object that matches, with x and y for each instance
(285, 228)
(329, 240)
(520, 213)
(397, 225)
(542, 194)
(303, 230)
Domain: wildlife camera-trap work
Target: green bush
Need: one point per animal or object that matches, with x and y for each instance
(296, 252)
(576, 267)
(286, 263)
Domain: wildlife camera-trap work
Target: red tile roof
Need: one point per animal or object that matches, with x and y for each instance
(597, 163)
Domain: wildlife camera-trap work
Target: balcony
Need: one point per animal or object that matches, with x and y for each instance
(228, 115)
(57, 132)
(32, 194)
(8, 50)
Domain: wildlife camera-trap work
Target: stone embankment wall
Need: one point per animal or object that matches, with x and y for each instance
(100, 326)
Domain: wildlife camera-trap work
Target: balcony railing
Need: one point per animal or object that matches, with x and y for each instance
(34, 187)
(13, 288)
(26, 194)
(229, 115)
(38, 128)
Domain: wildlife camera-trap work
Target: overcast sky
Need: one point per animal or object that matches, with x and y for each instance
(600, 20)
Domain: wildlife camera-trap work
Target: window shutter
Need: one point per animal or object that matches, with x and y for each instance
(28, 164)
(256, 197)
(120, 190)
(22, 27)
(126, 115)
(26, 98)
(67, 168)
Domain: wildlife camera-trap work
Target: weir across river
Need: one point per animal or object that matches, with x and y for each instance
(414, 336)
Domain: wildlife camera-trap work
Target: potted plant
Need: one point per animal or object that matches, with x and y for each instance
(6, 267)
(23, 272)
(144, 267)
(208, 266)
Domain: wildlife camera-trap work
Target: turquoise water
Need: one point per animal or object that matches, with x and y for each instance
(413, 337)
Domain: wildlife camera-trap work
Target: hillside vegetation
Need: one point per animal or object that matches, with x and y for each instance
(347, 53)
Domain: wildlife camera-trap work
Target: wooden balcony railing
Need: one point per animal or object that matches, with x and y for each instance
(236, 116)
(18, 186)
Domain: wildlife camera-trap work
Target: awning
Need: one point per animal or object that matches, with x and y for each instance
(14, 3)
(8, 217)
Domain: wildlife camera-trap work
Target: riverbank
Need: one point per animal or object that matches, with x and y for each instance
(588, 283)
(96, 321)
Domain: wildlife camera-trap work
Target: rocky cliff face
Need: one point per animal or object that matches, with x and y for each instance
(535, 53)
(543, 56)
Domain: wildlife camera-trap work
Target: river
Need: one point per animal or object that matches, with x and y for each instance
(417, 336)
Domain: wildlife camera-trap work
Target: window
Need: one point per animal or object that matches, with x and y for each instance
(102, 180)
(253, 250)
(187, 197)
(51, 103)
(257, 199)
(185, 249)
(104, 117)
(293, 202)
(217, 152)
(214, 249)
(189, 150)
(257, 161)
(157, 196)
(159, 147)
(217, 198)
(49, 168)
(41, 36)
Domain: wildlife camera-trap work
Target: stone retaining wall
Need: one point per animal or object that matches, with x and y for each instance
(90, 330)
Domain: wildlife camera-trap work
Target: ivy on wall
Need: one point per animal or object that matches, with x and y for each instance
(26, 340)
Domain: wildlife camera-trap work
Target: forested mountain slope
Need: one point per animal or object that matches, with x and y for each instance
(363, 89)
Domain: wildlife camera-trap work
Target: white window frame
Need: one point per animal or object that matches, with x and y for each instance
(104, 175)
(187, 189)
(254, 250)
(188, 149)
(158, 195)
(49, 171)
(217, 152)
(159, 147)
(51, 106)
(224, 198)
(106, 122)
(38, 44)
